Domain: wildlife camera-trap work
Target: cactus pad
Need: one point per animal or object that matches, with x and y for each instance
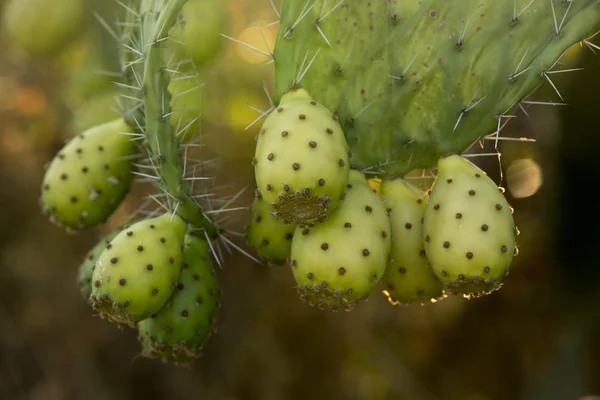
(413, 81)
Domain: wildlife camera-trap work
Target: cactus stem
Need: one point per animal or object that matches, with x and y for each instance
(157, 19)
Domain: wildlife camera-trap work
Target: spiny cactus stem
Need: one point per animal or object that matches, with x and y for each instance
(158, 18)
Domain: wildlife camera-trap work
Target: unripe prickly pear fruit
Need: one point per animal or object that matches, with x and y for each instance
(137, 272)
(89, 177)
(337, 263)
(86, 269)
(270, 237)
(178, 332)
(199, 36)
(408, 277)
(301, 159)
(469, 230)
(43, 27)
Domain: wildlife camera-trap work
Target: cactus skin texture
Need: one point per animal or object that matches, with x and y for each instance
(408, 277)
(469, 230)
(301, 160)
(198, 37)
(178, 332)
(137, 272)
(447, 68)
(89, 177)
(337, 263)
(86, 269)
(271, 239)
(41, 28)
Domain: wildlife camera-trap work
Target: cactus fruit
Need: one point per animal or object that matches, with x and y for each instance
(271, 239)
(89, 177)
(86, 269)
(180, 329)
(450, 69)
(137, 272)
(408, 277)
(40, 27)
(337, 263)
(301, 160)
(469, 229)
(199, 35)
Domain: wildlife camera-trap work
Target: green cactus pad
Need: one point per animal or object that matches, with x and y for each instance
(180, 329)
(270, 237)
(469, 229)
(339, 262)
(199, 35)
(301, 160)
(86, 269)
(408, 277)
(89, 177)
(137, 272)
(41, 27)
(413, 81)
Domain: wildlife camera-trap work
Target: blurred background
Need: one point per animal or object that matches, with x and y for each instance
(536, 338)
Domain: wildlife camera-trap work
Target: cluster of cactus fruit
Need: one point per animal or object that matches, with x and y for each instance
(362, 88)
(343, 239)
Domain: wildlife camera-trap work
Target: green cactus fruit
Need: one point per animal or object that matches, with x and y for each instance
(449, 69)
(137, 272)
(42, 28)
(337, 263)
(89, 177)
(408, 277)
(86, 269)
(301, 160)
(271, 238)
(469, 229)
(178, 332)
(199, 35)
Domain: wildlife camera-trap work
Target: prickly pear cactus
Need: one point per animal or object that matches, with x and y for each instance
(89, 177)
(339, 262)
(408, 278)
(139, 269)
(412, 81)
(180, 329)
(301, 160)
(270, 237)
(86, 269)
(469, 230)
